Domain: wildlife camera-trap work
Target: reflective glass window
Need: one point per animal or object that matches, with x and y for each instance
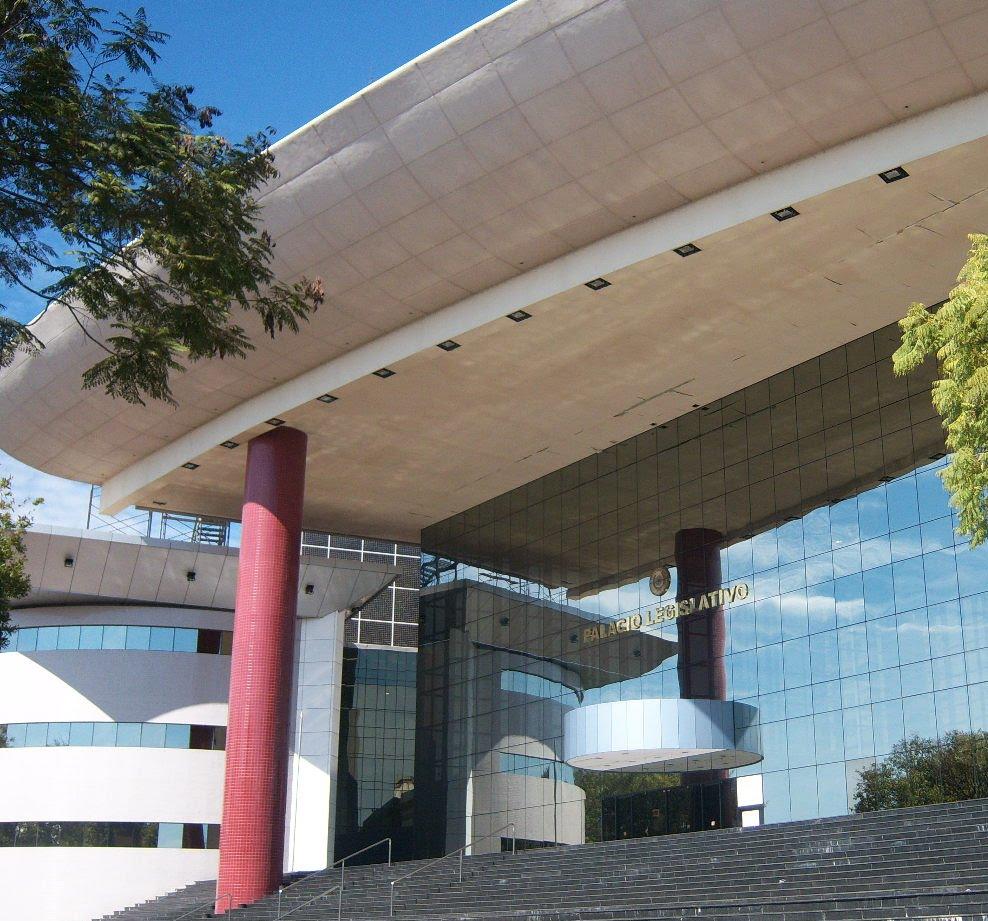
(176, 735)
(828, 733)
(831, 783)
(946, 634)
(169, 834)
(58, 734)
(186, 639)
(878, 592)
(873, 513)
(16, 734)
(903, 505)
(906, 544)
(114, 636)
(917, 678)
(953, 714)
(162, 639)
(47, 638)
(37, 735)
(128, 735)
(940, 575)
(68, 637)
(26, 639)
(949, 672)
(914, 636)
(138, 637)
(104, 734)
(80, 734)
(826, 696)
(153, 735)
(974, 621)
(919, 716)
(91, 637)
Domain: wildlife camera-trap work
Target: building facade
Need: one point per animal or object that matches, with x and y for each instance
(858, 618)
(611, 292)
(114, 711)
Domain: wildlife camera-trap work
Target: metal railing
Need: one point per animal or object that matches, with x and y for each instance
(315, 898)
(342, 862)
(213, 902)
(460, 851)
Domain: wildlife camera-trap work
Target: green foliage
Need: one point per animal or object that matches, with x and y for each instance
(919, 772)
(14, 582)
(598, 784)
(158, 220)
(957, 335)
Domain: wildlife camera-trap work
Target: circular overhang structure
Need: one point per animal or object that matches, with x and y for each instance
(546, 147)
(662, 735)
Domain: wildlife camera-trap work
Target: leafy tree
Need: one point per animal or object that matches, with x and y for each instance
(14, 582)
(957, 335)
(919, 772)
(144, 220)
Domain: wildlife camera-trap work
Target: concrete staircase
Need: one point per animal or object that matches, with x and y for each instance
(168, 907)
(926, 862)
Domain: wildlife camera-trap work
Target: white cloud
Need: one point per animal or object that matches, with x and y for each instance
(66, 501)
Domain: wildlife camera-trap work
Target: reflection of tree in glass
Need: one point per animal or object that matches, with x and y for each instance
(919, 771)
(3, 737)
(599, 784)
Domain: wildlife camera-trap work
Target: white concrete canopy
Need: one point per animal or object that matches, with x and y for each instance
(68, 566)
(555, 142)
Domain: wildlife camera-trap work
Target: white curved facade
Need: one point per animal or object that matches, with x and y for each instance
(113, 714)
(121, 783)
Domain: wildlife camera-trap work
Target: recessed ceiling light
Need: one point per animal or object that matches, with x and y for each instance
(939, 455)
(893, 175)
(384, 372)
(598, 283)
(190, 576)
(518, 315)
(274, 420)
(158, 502)
(687, 249)
(327, 398)
(784, 214)
(69, 562)
(448, 345)
(309, 588)
(229, 444)
(885, 479)
(190, 466)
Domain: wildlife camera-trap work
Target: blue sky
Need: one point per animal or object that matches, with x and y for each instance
(266, 64)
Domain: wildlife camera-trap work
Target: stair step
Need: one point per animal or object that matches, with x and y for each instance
(886, 865)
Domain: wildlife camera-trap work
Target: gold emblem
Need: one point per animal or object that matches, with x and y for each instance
(660, 581)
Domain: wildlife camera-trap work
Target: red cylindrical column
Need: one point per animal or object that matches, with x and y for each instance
(253, 830)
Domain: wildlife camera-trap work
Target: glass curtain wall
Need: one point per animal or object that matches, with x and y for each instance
(788, 549)
(377, 741)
